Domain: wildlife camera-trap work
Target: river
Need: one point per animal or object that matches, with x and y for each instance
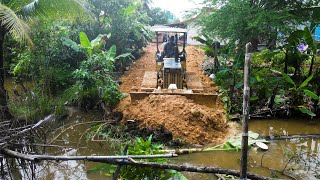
(276, 157)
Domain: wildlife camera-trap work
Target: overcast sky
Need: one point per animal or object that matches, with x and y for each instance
(177, 7)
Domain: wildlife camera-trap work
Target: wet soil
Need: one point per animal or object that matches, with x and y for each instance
(187, 122)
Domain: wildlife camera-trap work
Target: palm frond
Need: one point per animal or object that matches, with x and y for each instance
(15, 5)
(55, 9)
(13, 25)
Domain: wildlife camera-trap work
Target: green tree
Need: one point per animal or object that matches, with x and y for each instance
(13, 17)
(256, 21)
(161, 16)
(126, 21)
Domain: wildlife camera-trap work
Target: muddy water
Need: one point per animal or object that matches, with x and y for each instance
(75, 137)
(276, 157)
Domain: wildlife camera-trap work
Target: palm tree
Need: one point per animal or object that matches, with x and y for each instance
(14, 15)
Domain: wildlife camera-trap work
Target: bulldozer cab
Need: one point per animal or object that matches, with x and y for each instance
(171, 62)
(173, 37)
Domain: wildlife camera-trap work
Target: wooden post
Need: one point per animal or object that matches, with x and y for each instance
(117, 171)
(246, 100)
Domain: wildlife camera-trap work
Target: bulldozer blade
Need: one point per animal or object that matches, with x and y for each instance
(199, 98)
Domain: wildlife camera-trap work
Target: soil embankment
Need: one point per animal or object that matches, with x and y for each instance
(188, 122)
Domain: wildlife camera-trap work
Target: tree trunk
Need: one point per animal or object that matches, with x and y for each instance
(4, 110)
(286, 63)
(216, 61)
(254, 44)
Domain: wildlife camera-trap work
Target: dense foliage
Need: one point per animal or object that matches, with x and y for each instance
(256, 21)
(283, 80)
(63, 65)
(13, 17)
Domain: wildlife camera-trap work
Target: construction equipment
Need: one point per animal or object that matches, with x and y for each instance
(171, 76)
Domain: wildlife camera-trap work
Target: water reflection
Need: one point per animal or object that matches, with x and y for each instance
(75, 169)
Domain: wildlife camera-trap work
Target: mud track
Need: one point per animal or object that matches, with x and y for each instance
(188, 122)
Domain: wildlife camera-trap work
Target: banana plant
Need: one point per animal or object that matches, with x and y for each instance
(312, 95)
(93, 78)
(296, 48)
(297, 92)
(90, 48)
(85, 46)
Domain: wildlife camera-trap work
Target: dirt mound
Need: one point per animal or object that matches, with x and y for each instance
(187, 121)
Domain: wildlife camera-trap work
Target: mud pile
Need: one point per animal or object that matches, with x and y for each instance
(188, 122)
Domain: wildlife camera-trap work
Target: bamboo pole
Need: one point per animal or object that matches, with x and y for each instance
(246, 105)
(28, 157)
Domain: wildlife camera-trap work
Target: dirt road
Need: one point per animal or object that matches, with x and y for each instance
(188, 122)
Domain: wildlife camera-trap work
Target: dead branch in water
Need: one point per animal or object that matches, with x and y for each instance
(77, 124)
(22, 131)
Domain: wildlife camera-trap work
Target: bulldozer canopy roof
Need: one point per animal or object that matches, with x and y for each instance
(169, 29)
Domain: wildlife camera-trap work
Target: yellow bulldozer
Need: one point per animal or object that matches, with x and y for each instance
(171, 76)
